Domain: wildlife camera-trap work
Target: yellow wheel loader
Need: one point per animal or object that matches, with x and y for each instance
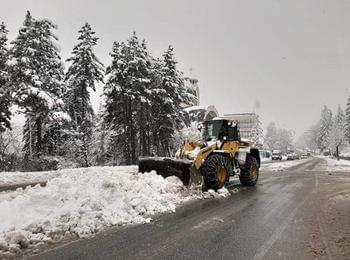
(211, 161)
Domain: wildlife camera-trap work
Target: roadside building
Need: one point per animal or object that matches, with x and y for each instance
(249, 125)
(197, 112)
(201, 113)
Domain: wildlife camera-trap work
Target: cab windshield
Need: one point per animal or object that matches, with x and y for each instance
(213, 130)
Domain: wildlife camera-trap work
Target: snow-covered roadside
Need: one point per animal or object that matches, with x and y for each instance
(281, 165)
(333, 165)
(13, 178)
(80, 202)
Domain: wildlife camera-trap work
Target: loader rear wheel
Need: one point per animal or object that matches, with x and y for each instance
(249, 171)
(216, 171)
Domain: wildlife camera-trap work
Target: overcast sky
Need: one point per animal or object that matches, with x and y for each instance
(291, 56)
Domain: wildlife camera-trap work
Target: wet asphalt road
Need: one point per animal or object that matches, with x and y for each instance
(269, 221)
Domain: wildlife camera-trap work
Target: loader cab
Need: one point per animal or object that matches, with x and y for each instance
(220, 129)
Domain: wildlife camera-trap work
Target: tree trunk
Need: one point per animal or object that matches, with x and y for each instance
(38, 136)
(127, 139)
(132, 134)
(30, 139)
(337, 152)
(143, 134)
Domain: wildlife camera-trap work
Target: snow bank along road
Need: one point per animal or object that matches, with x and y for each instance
(77, 203)
(300, 212)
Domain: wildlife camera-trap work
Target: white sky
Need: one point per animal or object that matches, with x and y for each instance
(292, 56)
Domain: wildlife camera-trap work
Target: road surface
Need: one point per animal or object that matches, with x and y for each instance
(291, 214)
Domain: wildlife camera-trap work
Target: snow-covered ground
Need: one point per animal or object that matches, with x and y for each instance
(12, 178)
(80, 202)
(264, 160)
(333, 165)
(280, 165)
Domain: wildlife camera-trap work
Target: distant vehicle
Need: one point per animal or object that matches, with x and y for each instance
(303, 156)
(308, 154)
(276, 155)
(296, 156)
(265, 154)
(290, 156)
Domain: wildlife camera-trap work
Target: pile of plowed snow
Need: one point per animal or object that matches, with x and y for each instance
(281, 166)
(80, 202)
(13, 178)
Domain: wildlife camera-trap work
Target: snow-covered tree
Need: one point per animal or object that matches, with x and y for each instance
(127, 96)
(5, 98)
(326, 122)
(257, 134)
(10, 148)
(168, 114)
(188, 133)
(347, 121)
(278, 138)
(143, 102)
(271, 136)
(101, 136)
(36, 77)
(311, 137)
(83, 74)
(337, 132)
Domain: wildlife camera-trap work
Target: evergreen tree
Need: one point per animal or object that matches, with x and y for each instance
(36, 78)
(100, 141)
(326, 122)
(83, 74)
(128, 93)
(167, 111)
(271, 136)
(143, 102)
(312, 137)
(347, 121)
(5, 98)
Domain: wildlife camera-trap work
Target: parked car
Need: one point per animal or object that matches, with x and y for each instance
(290, 156)
(276, 155)
(303, 156)
(265, 155)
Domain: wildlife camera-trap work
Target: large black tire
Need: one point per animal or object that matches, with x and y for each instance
(249, 171)
(216, 171)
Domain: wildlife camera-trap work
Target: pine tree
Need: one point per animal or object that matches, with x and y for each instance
(37, 77)
(144, 98)
(128, 93)
(100, 138)
(83, 74)
(168, 113)
(5, 97)
(326, 122)
(347, 121)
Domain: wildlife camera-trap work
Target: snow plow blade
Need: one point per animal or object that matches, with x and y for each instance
(168, 167)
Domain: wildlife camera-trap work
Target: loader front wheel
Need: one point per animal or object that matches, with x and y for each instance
(249, 171)
(216, 171)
